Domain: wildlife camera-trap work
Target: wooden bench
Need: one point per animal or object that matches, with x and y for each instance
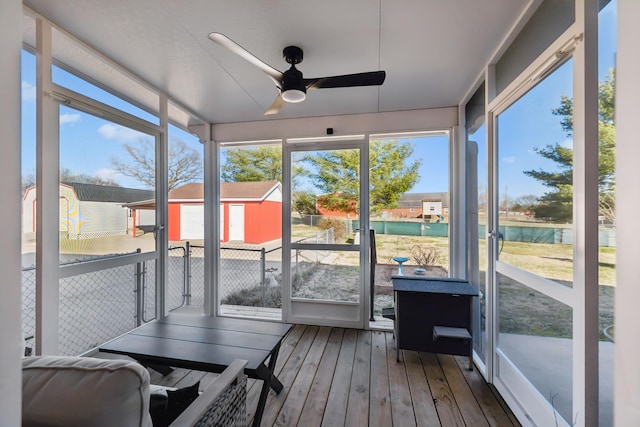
(447, 332)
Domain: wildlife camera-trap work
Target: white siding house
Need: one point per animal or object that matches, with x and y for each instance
(87, 210)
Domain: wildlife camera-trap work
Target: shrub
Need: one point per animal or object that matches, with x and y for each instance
(339, 227)
(252, 297)
(425, 256)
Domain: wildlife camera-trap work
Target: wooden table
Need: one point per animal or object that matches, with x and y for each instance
(424, 302)
(208, 344)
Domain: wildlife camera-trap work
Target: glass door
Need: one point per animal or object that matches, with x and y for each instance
(533, 249)
(324, 223)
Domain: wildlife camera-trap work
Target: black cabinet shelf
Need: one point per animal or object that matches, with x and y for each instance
(421, 303)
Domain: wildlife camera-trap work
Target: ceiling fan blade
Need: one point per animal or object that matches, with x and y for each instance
(275, 107)
(234, 47)
(373, 78)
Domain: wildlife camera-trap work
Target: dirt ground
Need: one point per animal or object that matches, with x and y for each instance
(384, 272)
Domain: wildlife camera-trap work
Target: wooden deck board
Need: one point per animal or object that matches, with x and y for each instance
(346, 377)
(191, 378)
(336, 410)
(288, 345)
(358, 404)
(379, 398)
(425, 411)
(399, 390)
(465, 400)
(313, 409)
(491, 405)
(286, 349)
(287, 376)
(172, 378)
(448, 410)
(292, 407)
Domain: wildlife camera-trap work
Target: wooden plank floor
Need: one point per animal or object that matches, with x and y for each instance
(347, 377)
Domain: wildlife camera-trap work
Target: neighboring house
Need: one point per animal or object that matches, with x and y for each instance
(433, 207)
(250, 212)
(352, 212)
(87, 210)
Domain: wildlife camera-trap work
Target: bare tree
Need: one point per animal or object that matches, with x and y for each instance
(525, 204)
(185, 163)
(67, 175)
(607, 207)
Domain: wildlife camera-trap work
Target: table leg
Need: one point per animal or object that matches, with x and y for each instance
(266, 374)
(396, 325)
(269, 381)
(161, 369)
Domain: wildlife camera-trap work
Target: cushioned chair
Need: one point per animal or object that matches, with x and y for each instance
(88, 392)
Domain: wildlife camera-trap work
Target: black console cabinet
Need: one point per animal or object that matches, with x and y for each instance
(424, 302)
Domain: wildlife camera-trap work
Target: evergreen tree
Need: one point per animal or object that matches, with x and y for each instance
(337, 175)
(263, 163)
(557, 203)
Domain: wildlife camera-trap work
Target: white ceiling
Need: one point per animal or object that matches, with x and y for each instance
(431, 50)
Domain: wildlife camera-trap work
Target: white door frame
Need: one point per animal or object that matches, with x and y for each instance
(322, 312)
(521, 396)
(222, 227)
(236, 234)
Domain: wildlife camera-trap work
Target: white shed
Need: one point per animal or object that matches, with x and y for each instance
(87, 210)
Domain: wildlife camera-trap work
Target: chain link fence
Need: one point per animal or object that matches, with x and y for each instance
(303, 260)
(146, 276)
(195, 278)
(94, 307)
(248, 276)
(177, 277)
(97, 306)
(29, 304)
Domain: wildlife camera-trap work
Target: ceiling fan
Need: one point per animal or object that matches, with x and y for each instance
(291, 85)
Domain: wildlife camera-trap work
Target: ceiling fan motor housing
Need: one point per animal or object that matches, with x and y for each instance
(292, 81)
(293, 86)
(292, 54)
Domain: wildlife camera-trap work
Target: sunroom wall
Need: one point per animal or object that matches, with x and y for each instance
(627, 353)
(10, 301)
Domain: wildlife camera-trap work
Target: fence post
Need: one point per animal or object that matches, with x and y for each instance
(138, 291)
(187, 274)
(373, 260)
(143, 273)
(263, 267)
(297, 264)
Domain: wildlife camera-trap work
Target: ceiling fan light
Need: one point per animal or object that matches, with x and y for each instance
(293, 95)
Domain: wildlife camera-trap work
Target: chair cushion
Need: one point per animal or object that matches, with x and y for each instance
(83, 391)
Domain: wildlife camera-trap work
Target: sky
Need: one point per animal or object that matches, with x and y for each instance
(88, 143)
(433, 152)
(529, 123)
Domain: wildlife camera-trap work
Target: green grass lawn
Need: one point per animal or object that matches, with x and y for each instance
(521, 309)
